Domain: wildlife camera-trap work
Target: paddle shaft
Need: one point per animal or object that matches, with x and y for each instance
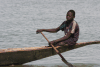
(50, 44)
(63, 59)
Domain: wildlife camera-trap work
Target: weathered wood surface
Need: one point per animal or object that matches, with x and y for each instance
(23, 55)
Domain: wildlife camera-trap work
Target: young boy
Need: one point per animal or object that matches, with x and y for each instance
(70, 28)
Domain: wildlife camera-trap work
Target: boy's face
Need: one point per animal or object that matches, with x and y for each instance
(69, 16)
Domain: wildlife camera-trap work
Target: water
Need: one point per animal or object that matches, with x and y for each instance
(19, 20)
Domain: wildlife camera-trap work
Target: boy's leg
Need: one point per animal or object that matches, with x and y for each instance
(65, 44)
(61, 44)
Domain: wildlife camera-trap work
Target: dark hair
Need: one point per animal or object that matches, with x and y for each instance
(72, 11)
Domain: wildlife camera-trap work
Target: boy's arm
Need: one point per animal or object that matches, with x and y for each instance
(48, 30)
(63, 38)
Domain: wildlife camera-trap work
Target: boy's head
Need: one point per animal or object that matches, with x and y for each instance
(70, 15)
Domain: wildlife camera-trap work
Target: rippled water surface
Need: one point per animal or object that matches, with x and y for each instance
(19, 20)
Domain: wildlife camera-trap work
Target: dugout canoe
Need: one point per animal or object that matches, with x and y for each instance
(16, 56)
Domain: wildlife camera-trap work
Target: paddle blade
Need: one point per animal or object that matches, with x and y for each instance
(67, 63)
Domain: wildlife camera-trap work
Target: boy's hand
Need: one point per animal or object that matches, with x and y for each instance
(39, 30)
(52, 42)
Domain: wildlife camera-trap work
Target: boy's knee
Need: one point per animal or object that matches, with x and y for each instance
(61, 43)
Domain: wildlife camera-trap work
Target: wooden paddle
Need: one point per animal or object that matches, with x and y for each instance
(63, 59)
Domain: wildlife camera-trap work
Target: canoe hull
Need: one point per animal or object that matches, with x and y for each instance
(23, 55)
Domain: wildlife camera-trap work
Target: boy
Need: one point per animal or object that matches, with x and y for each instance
(70, 28)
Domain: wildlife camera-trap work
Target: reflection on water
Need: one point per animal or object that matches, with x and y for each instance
(62, 65)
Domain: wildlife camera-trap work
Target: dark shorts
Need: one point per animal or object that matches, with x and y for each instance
(69, 42)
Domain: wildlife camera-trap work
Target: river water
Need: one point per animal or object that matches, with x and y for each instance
(19, 20)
